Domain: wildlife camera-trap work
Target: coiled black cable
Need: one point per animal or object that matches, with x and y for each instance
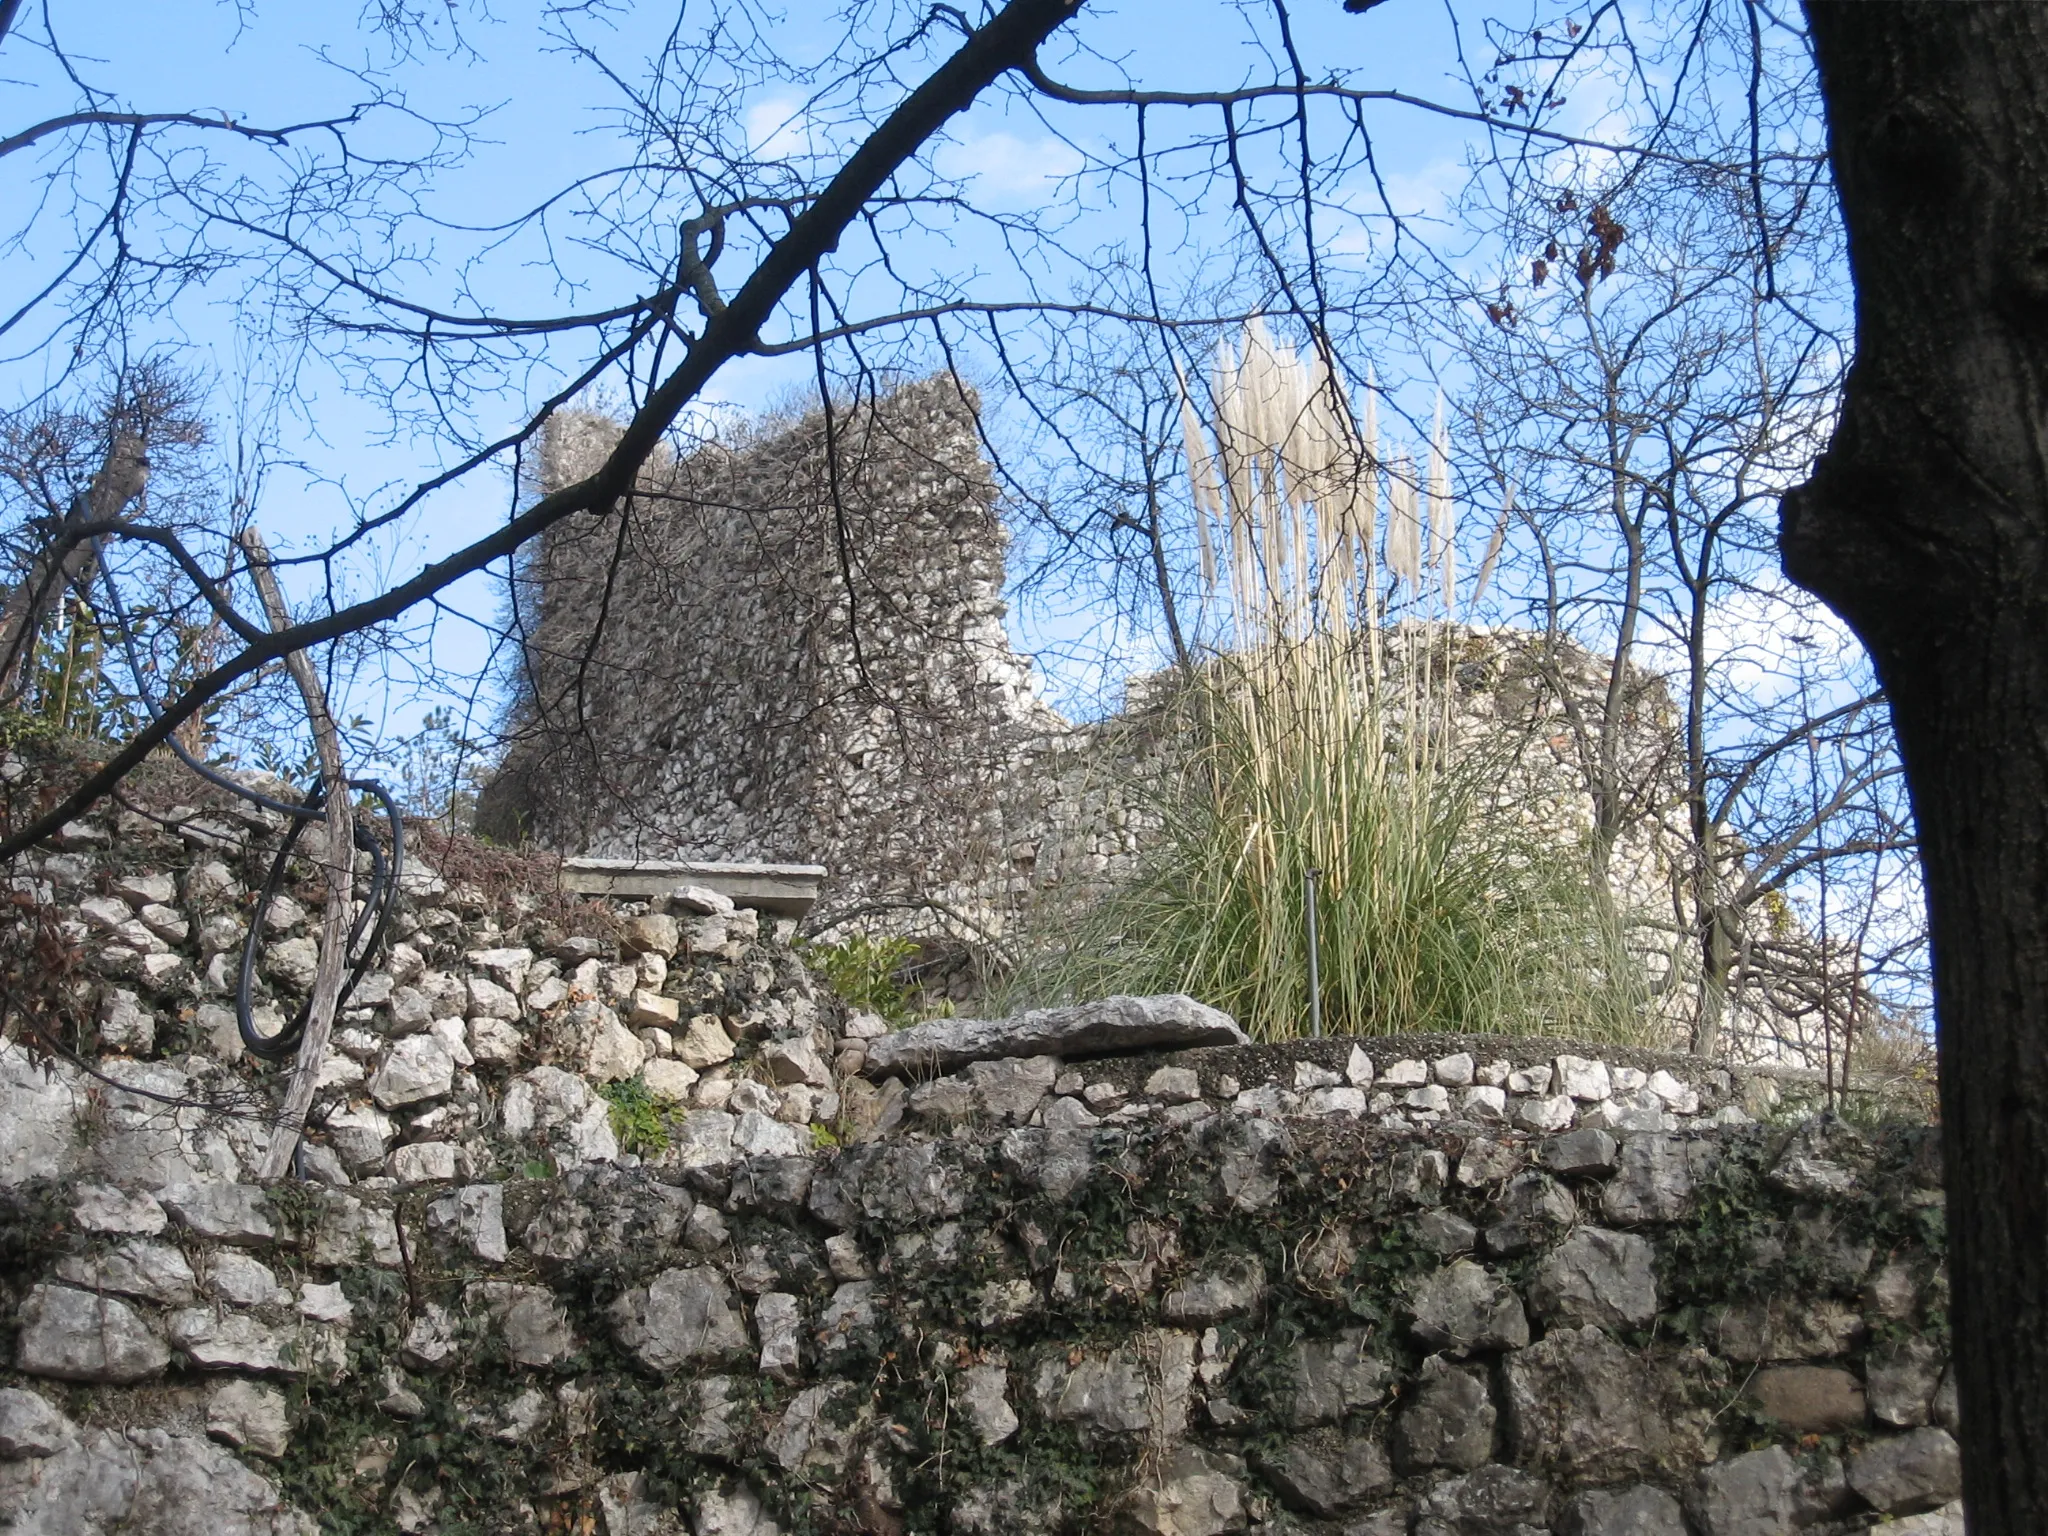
(378, 905)
(385, 870)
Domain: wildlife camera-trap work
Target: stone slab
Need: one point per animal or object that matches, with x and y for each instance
(787, 890)
(1112, 1026)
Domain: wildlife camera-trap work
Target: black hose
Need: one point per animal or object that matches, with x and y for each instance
(379, 904)
(385, 871)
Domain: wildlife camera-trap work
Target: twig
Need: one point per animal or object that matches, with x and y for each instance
(340, 866)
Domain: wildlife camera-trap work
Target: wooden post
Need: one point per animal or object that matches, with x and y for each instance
(339, 861)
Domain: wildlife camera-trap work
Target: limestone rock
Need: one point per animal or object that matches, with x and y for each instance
(1448, 1422)
(77, 1336)
(164, 1482)
(1141, 1389)
(733, 1511)
(1765, 1493)
(30, 1427)
(124, 1024)
(1578, 1401)
(982, 1393)
(1328, 1474)
(153, 1271)
(239, 1341)
(683, 1317)
(1784, 1328)
(1327, 1378)
(817, 1435)
(899, 1184)
(1577, 1152)
(1639, 1511)
(556, 1109)
(249, 1417)
(1585, 1080)
(1904, 1375)
(1249, 1156)
(1595, 1276)
(1055, 1160)
(102, 1208)
(419, 1068)
(38, 1117)
(1654, 1178)
(1487, 1499)
(474, 1217)
(1908, 1474)
(1008, 1090)
(652, 933)
(778, 1318)
(704, 1043)
(535, 1328)
(1194, 1494)
(1232, 1289)
(1111, 1026)
(1465, 1306)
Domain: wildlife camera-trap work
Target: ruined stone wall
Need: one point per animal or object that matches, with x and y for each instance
(763, 660)
(607, 1229)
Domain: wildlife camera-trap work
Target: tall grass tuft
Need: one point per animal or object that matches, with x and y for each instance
(1326, 740)
(1435, 913)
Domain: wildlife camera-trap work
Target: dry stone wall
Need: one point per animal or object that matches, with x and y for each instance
(615, 1222)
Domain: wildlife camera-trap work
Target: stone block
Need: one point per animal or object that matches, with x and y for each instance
(249, 1417)
(1466, 1306)
(1903, 1376)
(1643, 1510)
(1810, 1399)
(684, 1317)
(153, 1271)
(1595, 1276)
(1232, 1289)
(418, 1069)
(1765, 1493)
(1007, 1091)
(1908, 1474)
(1328, 1474)
(652, 933)
(1448, 1420)
(1115, 1025)
(1579, 1402)
(1325, 1379)
(30, 1428)
(226, 1213)
(704, 1043)
(1194, 1494)
(1579, 1152)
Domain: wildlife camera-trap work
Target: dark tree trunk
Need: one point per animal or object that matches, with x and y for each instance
(1926, 526)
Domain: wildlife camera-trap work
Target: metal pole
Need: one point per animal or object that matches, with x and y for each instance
(1315, 968)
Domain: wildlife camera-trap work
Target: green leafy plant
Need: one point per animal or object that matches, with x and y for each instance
(866, 971)
(639, 1118)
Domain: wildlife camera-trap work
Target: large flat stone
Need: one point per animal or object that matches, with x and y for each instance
(78, 1336)
(1113, 1026)
(165, 1482)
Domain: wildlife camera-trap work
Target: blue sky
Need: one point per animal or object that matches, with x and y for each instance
(543, 119)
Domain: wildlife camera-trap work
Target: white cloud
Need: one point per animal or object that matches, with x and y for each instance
(779, 128)
(1007, 168)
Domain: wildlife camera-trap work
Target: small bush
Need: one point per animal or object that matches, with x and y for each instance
(867, 972)
(638, 1118)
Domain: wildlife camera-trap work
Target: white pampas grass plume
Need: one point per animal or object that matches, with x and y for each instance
(1204, 488)
(1404, 523)
(1493, 545)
